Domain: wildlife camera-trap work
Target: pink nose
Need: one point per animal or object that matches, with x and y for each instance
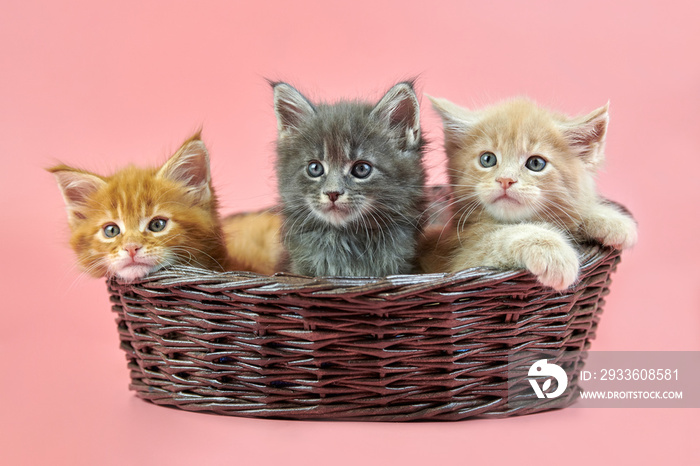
(505, 182)
(132, 249)
(333, 195)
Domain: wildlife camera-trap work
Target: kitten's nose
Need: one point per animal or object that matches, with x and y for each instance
(333, 195)
(505, 182)
(132, 249)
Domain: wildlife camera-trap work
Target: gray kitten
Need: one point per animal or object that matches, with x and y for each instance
(351, 179)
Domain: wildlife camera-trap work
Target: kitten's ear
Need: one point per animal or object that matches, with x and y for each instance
(77, 186)
(586, 135)
(190, 166)
(456, 121)
(291, 108)
(400, 108)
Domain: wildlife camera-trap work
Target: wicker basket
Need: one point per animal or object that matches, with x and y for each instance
(408, 347)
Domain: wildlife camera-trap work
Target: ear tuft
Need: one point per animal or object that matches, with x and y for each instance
(77, 186)
(586, 135)
(456, 120)
(399, 107)
(190, 166)
(291, 108)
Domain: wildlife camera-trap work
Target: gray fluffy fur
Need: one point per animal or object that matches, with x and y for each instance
(378, 235)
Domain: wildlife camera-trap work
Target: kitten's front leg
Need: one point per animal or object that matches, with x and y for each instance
(543, 250)
(611, 227)
(549, 256)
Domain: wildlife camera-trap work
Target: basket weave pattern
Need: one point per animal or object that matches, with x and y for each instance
(408, 347)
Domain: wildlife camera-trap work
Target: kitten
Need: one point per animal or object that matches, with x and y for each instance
(140, 220)
(350, 179)
(524, 191)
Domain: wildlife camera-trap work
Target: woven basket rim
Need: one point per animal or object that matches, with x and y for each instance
(589, 255)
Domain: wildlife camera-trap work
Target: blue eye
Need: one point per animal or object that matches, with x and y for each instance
(157, 224)
(361, 170)
(488, 159)
(314, 169)
(110, 230)
(536, 163)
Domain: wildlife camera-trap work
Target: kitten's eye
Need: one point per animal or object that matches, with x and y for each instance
(361, 170)
(535, 163)
(488, 159)
(111, 230)
(314, 169)
(157, 224)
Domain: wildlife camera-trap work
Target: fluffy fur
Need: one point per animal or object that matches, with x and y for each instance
(524, 191)
(139, 220)
(350, 179)
(253, 240)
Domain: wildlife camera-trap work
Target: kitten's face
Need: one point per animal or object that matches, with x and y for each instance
(340, 183)
(135, 225)
(140, 220)
(518, 162)
(348, 162)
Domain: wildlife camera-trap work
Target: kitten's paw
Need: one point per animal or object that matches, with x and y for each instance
(618, 231)
(553, 261)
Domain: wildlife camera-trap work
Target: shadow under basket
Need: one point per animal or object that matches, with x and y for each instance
(399, 348)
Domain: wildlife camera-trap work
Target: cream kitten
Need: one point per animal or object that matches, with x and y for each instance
(524, 191)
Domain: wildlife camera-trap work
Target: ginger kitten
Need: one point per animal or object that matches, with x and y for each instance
(524, 191)
(140, 220)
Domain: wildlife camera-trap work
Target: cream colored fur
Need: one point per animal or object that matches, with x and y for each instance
(510, 216)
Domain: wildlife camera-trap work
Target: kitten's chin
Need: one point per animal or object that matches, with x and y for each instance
(507, 209)
(133, 272)
(130, 270)
(337, 216)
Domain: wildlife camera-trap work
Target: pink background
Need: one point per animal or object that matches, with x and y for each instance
(101, 84)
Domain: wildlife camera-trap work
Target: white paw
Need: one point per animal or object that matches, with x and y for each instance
(553, 261)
